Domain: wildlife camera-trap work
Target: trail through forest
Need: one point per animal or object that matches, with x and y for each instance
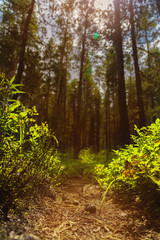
(76, 215)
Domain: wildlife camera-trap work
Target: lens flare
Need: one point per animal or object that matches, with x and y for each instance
(95, 35)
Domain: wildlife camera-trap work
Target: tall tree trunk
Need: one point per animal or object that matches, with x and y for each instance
(108, 118)
(124, 132)
(61, 68)
(74, 121)
(78, 127)
(47, 99)
(58, 107)
(23, 44)
(114, 116)
(85, 118)
(91, 139)
(150, 76)
(64, 114)
(65, 106)
(158, 5)
(142, 121)
(98, 122)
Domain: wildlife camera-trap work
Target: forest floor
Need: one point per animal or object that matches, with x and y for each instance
(76, 215)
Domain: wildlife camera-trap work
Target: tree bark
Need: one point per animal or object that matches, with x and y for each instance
(23, 44)
(98, 122)
(78, 128)
(158, 5)
(108, 119)
(142, 120)
(150, 77)
(61, 69)
(47, 98)
(124, 132)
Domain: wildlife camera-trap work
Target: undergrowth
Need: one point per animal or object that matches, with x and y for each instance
(84, 166)
(28, 153)
(137, 166)
(29, 159)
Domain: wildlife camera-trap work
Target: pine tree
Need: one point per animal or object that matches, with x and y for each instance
(142, 121)
(124, 131)
(24, 43)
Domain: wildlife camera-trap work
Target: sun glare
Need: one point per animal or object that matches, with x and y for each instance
(102, 4)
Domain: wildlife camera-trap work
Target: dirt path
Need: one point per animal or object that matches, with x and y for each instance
(76, 215)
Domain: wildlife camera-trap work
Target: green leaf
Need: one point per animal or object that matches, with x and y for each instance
(17, 85)
(11, 100)
(157, 121)
(15, 92)
(155, 180)
(12, 80)
(23, 114)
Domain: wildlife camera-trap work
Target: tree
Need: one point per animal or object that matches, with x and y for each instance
(84, 85)
(19, 38)
(90, 109)
(65, 26)
(158, 5)
(86, 17)
(49, 69)
(10, 34)
(148, 30)
(124, 131)
(23, 43)
(78, 133)
(112, 117)
(142, 121)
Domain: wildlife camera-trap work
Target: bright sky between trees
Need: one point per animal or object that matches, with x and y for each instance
(102, 3)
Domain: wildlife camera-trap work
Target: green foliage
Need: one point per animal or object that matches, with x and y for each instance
(85, 164)
(87, 159)
(90, 160)
(86, 156)
(27, 150)
(71, 167)
(138, 165)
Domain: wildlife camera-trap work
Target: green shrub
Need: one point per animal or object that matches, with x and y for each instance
(27, 150)
(85, 164)
(138, 165)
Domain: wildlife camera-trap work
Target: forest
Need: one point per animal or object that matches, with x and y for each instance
(79, 97)
(92, 74)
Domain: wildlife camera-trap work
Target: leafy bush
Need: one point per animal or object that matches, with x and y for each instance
(27, 151)
(71, 167)
(84, 166)
(138, 165)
